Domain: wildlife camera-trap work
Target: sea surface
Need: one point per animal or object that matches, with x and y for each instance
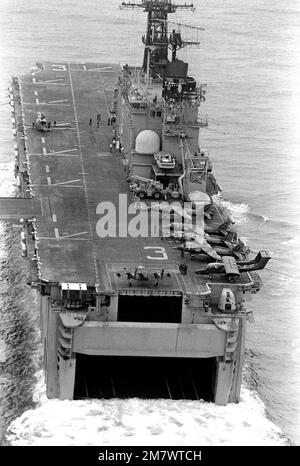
(249, 57)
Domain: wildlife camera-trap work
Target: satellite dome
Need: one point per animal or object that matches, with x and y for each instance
(147, 142)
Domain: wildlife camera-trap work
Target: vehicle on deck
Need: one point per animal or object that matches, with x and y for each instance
(144, 187)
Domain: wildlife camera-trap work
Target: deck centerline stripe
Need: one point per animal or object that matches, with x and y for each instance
(83, 176)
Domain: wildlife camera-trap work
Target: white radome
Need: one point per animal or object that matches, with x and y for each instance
(147, 142)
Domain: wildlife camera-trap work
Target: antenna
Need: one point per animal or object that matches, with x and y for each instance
(156, 40)
(158, 4)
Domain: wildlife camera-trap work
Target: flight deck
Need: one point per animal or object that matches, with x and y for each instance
(73, 169)
(131, 280)
(139, 293)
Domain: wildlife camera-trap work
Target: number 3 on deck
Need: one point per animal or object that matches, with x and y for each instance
(157, 250)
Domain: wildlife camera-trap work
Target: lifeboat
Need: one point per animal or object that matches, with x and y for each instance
(164, 161)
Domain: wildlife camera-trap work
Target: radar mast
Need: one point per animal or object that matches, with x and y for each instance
(157, 41)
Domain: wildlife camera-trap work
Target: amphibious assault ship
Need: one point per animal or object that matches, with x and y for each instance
(141, 276)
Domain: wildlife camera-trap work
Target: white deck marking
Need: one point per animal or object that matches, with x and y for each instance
(108, 277)
(44, 151)
(60, 238)
(53, 80)
(47, 169)
(57, 101)
(49, 83)
(157, 250)
(62, 151)
(106, 71)
(63, 126)
(66, 182)
(105, 98)
(56, 232)
(48, 180)
(43, 140)
(55, 155)
(45, 103)
(55, 186)
(68, 186)
(84, 179)
(60, 155)
(54, 218)
(35, 93)
(75, 234)
(105, 68)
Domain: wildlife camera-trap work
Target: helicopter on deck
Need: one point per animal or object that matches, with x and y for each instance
(41, 124)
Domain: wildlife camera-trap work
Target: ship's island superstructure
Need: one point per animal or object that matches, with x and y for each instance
(159, 314)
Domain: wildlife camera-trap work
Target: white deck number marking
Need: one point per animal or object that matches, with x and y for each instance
(157, 250)
(59, 67)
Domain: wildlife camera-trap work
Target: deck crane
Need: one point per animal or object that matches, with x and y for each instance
(157, 40)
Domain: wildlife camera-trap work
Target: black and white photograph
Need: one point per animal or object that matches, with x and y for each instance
(149, 226)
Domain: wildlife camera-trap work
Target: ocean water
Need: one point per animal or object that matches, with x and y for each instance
(249, 57)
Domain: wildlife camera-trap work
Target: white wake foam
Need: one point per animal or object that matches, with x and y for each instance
(144, 422)
(237, 211)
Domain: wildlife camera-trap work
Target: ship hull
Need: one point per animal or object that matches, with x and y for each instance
(182, 360)
(115, 327)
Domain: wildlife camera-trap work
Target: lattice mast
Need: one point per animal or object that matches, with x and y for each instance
(156, 41)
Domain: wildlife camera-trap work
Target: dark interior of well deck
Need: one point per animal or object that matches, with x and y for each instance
(144, 377)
